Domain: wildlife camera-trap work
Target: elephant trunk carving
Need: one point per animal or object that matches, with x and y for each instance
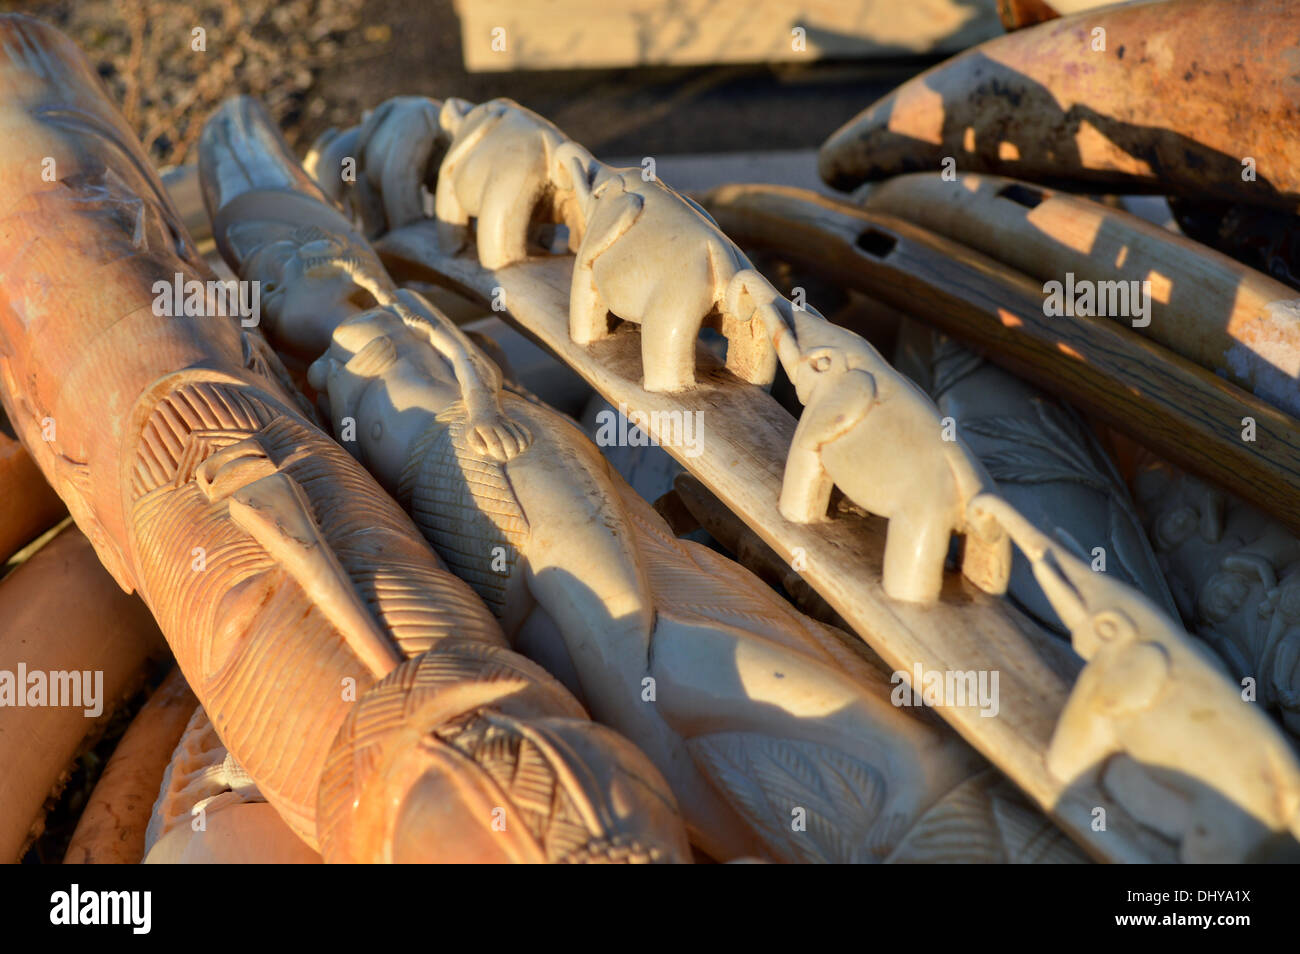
(1155, 715)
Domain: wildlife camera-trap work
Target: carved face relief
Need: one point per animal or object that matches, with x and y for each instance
(1175, 527)
(1224, 595)
(306, 289)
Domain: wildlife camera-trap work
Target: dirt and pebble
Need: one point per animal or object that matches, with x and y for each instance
(321, 63)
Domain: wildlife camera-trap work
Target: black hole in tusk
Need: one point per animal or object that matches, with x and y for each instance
(1021, 195)
(875, 242)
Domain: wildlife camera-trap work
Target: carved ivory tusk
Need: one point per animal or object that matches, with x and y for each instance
(143, 400)
(1125, 99)
(1228, 318)
(112, 826)
(64, 626)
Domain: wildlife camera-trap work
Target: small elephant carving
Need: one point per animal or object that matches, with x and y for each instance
(650, 256)
(1157, 716)
(378, 170)
(496, 170)
(870, 431)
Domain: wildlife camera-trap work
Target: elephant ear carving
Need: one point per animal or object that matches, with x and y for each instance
(839, 406)
(624, 210)
(770, 780)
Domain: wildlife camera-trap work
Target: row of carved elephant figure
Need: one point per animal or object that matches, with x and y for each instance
(500, 163)
(651, 256)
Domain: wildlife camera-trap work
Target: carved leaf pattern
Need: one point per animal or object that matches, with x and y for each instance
(1036, 457)
(985, 819)
(950, 365)
(1054, 445)
(766, 779)
(465, 506)
(1063, 451)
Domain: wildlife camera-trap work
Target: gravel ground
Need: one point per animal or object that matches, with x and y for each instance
(274, 49)
(321, 63)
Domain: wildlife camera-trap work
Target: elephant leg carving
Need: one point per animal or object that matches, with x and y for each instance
(502, 226)
(668, 348)
(1133, 786)
(588, 317)
(915, 548)
(806, 487)
(452, 217)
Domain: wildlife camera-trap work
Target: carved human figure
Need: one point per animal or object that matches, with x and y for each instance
(1235, 575)
(649, 255)
(1156, 715)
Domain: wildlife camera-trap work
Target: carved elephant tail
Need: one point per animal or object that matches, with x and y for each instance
(748, 295)
(748, 291)
(986, 561)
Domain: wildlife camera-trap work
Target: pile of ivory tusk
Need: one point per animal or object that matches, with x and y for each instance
(369, 576)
